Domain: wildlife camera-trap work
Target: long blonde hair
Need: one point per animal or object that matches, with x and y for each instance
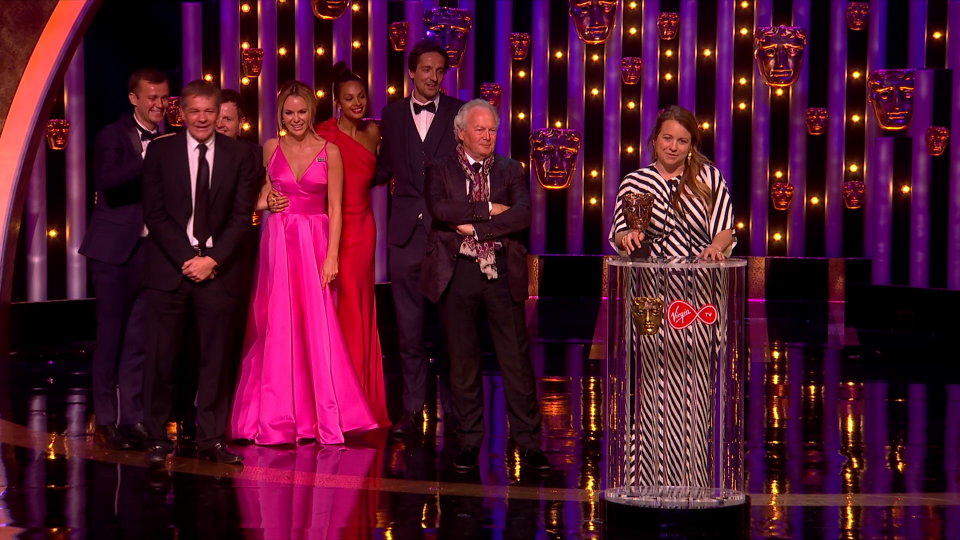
(297, 89)
(689, 183)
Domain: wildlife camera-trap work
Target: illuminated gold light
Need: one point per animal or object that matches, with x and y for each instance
(521, 116)
(744, 31)
(905, 189)
(668, 76)
(854, 168)
(208, 77)
(937, 35)
(740, 225)
(633, 31)
(744, 4)
(595, 57)
(668, 53)
(320, 51)
(594, 173)
(52, 233)
(633, 5)
(778, 174)
(355, 7)
(629, 149)
(282, 51)
(521, 74)
(705, 125)
(245, 8)
(814, 200)
(855, 118)
(779, 91)
(707, 52)
(356, 44)
(558, 124)
(244, 45)
(559, 54)
(320, 93)
(245, 81)
(594, 92)
(777, 237)
(742, 106)
(283, 132)
(742, 81)
(593, 200)
(392, 90)
(246, 126)
(855, 74)
(631, 105)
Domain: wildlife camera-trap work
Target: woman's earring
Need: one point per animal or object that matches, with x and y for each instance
(689, 155)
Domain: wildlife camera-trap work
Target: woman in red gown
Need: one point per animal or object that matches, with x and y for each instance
(358, 140)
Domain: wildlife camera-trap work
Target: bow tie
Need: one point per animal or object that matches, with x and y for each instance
(417, 108)
(147, 135)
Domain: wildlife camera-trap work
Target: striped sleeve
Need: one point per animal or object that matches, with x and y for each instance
(721, 218)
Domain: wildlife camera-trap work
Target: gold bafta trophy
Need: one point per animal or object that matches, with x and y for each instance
(637, 210)
(647, 314)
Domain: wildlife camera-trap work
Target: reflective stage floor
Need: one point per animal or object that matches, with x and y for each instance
(843, 440)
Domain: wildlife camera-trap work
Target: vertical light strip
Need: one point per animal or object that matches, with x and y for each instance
(836, 127)
(466, 72)
(539, 102)
(502, 64)
(876, 59)
(342, 44)
(576, 93)
(305, 48)
(953, 200)
(230, 43)
(36, 225)
(378, 44)
(74, 97)
(723, 136)
(882, 223)
(760, 146)
(920, 173)
(267, 28)
(612, 95)
(649, 94)
(413, 12)
(797, 164)
(191, 20)
(687, 78)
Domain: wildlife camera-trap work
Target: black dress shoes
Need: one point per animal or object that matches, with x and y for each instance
(135, 434)
(109, 437)
(219, 453)
(535, 459)
(156, 456)
(408, 423)
(467, 459)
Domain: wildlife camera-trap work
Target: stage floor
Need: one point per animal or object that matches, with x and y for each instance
(843, 440)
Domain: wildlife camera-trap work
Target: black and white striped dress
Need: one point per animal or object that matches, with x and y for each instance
(675, 369)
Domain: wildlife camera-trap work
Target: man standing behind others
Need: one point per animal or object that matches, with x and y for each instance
(415, 130)
(476, 264)
(114, 244)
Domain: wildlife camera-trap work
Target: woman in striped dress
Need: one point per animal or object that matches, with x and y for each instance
(692, 218)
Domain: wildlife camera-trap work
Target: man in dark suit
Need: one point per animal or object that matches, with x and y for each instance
(114, 244)
(415, 130)
(476, 262)
(199, 188)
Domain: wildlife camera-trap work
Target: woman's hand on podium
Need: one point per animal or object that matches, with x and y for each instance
(712, 253)
(631, 240)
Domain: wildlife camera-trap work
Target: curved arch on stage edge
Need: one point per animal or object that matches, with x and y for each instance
(22, 129)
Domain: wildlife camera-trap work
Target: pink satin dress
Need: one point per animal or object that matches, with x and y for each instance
(297, 380)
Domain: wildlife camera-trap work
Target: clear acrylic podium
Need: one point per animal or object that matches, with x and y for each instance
(675, 384)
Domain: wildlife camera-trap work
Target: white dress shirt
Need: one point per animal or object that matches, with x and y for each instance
(193, 157)
(425, 118)
(143, 153)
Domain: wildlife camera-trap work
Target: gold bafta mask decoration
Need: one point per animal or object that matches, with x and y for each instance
(637, 210)
(667, 24)
(174, 112)
(781, 193)
(594, 19)
(57, 131)
(857, 13)
(631, 68)
(399, 32)
(554, 155)
(252, 60)
(891, 94)
(451, 28)
(491, 92)
(936, 140)
(519, 45)
(853, 194)
(647, 314)
(329, 9)
(817, 120)
(256, 218)
(779, 53)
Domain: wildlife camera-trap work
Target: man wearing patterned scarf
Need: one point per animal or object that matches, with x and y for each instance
(476, 262)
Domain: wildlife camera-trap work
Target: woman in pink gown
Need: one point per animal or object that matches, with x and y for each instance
(297, 381)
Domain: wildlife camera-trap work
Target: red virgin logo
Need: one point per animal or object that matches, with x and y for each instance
(680, 314)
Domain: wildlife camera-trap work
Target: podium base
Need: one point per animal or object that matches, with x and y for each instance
(629, 522)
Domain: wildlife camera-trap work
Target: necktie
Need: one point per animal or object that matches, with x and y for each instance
(476, 166)
(147, 135)
(417, 108)
(201, 226)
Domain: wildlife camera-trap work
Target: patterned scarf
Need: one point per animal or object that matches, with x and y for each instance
(482, 252)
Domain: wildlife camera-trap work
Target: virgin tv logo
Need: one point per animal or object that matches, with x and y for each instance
(680, 314)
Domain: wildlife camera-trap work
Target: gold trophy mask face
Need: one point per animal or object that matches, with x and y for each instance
(57, 131)
(632, 67)
(174, 112)
(519, 45)
(647, 314)
(857, 13)
(399, 32)
(817, 120)
(554, 155)
(593, 19)
(781, 193)
(252, 61)
(667, 24)
(637, 210)
(491, 92)
(891, 95)
(779, 53)
(329, 9)
(853, 194)
(451, 28)
(937, 140)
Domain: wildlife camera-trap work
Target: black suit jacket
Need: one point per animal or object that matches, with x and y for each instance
(168, 206)
(403, 156)
(449, 204)
(117, 219)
